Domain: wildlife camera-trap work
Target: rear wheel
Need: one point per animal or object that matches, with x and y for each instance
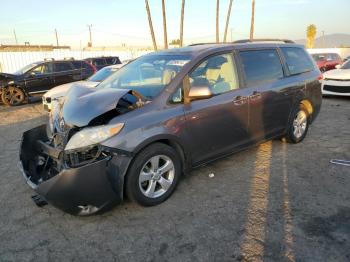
(12, 96)
(298, 125)
(153, 175)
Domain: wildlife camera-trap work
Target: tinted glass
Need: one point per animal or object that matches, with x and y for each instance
(319, 57)
(25, 69)
(102, 74)
(148, 75)
(261, 66)
(60, 67)
(112, 60)
(297, 60)
(99, 62)
(77, 64)
(217, 72)
(346, 65)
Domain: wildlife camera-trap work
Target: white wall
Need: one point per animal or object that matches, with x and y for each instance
(12, 61)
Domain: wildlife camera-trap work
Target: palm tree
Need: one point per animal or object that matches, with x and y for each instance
(182, 22)
(310, 34)
(217, 21)
(227, 19)
(151, 25)
(252, 21)
(164, 26)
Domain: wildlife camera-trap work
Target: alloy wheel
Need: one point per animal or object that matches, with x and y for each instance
(156, 176)
(300, 124)
(13, 96)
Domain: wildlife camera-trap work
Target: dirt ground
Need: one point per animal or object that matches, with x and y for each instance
(275, 202)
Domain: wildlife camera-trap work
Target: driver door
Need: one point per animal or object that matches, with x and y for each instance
(40, 79)
(216, 125)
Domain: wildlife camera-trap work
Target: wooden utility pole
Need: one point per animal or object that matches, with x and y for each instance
(217, 21)
(182, 23)
(56, 37)
(14, 32)
(164, 26)
(151, 26)
(252, 21)
(227, 20)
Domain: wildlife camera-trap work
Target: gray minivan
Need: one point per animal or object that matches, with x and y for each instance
(164, 114)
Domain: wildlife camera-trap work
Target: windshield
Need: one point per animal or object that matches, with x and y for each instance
(346, 65)
(147, 75)
(25, 69)
(102, 74)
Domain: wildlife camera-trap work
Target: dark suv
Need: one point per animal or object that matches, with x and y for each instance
(164, 114)
(39, 77)
(101, 62)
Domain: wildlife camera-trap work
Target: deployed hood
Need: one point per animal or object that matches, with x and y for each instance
(83, 104)
(62, 90)
(341, 74)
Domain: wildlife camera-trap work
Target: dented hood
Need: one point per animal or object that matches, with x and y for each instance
(83, 104)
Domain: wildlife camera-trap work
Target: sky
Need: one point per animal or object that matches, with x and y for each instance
(115, 22)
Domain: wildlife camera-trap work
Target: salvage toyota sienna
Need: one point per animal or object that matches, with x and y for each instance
(164, 114)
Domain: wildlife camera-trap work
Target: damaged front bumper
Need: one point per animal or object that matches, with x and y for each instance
(80, 190)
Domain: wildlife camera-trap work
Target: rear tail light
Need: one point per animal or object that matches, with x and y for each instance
(92, 66)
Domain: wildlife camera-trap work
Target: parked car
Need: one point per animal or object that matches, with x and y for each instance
(337, 81)
(60, 91)
(327, 61)
(164, 114)
(39, 77)
(101, 62)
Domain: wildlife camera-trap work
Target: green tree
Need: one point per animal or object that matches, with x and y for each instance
(311, 32)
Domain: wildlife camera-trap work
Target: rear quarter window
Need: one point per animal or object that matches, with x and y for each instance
(77, 64)
(99, 62)
(297, 60)
(261, 66)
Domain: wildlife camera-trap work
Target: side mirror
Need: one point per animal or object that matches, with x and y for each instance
(338, 66)
(200, 92)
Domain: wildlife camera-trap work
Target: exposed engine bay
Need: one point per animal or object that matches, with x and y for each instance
(63, 125)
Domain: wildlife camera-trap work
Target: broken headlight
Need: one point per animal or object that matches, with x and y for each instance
(93, 135)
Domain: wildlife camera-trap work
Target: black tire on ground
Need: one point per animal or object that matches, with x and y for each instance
(12, 96)
(135, 190)
(292, 134)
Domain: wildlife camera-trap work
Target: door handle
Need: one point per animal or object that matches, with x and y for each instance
(240, 100)
(255, 95)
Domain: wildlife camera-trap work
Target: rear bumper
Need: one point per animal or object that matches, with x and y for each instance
(80, 191)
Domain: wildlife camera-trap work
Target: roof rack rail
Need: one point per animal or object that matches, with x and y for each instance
(209, 43)
(68, 58)
(287, 41)
(49, 59)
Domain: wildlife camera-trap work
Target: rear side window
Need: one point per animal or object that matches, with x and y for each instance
(261, 66)
(112, 60)
(297, 60)
(60, 67)
(77, 64)
(99, 62)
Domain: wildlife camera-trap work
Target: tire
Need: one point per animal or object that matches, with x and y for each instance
(143, 176)
(12, 96)
(298, 127)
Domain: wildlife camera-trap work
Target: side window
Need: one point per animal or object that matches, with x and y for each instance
(261, 66)
(297, 60)
(77, 64)
(217, 72)
(61, 67)
(99, 62)
(43, 69)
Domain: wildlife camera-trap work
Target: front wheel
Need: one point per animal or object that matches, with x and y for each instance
(298, 125)
(12, 96)
(153, 175)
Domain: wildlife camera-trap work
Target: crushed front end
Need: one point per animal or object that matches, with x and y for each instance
(80, 182)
